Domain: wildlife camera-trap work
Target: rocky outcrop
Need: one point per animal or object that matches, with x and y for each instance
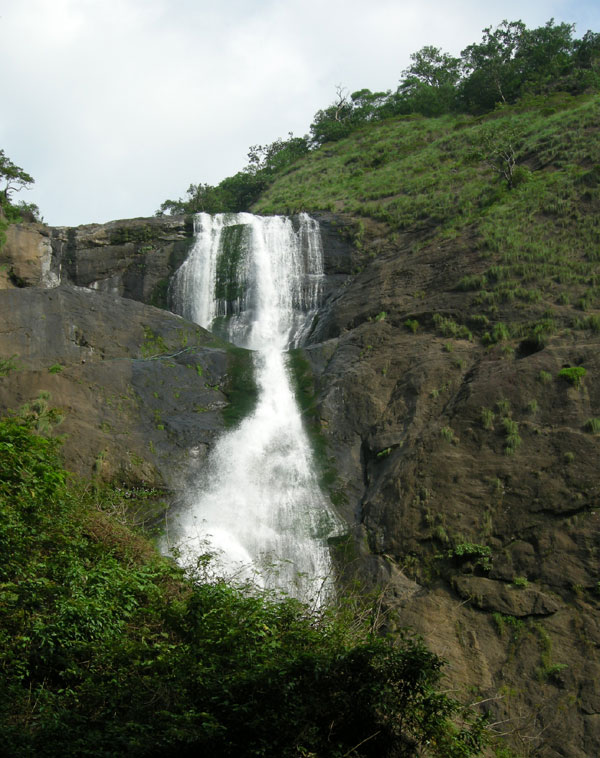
(132, 258)
(141, 390)
(26, 259)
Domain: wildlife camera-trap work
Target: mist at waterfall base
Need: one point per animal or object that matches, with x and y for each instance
(256, 503)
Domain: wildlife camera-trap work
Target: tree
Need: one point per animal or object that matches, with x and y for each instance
(586, 63)
(277, 155)
(499, 148)
(432, 67)
(429, 83)
(492, 76)
(332, 123)
(544, 55)
(13, 178)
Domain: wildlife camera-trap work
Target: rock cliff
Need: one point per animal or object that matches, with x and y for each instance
(467, 473)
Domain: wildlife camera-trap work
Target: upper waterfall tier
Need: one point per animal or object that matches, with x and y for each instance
(255, 281)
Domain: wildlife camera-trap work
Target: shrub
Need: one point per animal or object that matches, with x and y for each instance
(470, 551)
(573, 374)
(448, 434)
(449, 328)
(593, 425)
(7, 365)
(487, 418)
(513, 441)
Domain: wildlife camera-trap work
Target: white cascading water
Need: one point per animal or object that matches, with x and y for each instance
(257, 503)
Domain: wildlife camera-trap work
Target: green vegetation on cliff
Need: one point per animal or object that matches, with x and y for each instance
(436, 180)
(511, 63)
(107, 649)
(13, 179)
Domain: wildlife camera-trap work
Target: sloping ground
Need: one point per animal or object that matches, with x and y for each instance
(467, 456)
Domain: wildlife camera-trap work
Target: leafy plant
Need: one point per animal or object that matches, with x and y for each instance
(487, 418)
(449, 328)
(8, 364)
(448, 434)
(532, 406)
(153, 345)
(573, 374)
(480, 555)
(513, 441)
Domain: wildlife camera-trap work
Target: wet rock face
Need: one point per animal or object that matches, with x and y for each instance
(133, 258)
(141, 390)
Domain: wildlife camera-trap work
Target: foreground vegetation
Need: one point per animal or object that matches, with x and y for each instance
(107, 649)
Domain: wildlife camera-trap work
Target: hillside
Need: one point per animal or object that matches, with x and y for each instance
(456, 383)
(450, 383)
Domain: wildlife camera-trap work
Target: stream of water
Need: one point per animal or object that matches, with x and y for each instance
(256, 281)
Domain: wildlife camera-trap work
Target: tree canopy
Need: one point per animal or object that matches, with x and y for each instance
(13, 178)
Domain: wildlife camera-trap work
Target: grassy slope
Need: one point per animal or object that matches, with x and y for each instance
(427, 177)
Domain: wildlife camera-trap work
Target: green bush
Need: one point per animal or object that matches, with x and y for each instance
(479, 555)
(107, 649)
(513, 440)
(573, 374)
(487, 418)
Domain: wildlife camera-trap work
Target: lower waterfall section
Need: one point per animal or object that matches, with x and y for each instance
(257, 502)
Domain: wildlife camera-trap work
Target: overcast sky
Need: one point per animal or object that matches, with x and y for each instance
(115, 105)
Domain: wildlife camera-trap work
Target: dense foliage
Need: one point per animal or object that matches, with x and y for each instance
(106, 649)
(511, 62)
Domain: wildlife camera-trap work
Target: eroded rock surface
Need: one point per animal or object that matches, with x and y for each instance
(415, 421)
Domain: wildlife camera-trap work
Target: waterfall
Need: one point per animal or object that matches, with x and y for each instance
(256, 281)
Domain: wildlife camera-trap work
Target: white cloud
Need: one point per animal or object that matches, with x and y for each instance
(114, 105)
